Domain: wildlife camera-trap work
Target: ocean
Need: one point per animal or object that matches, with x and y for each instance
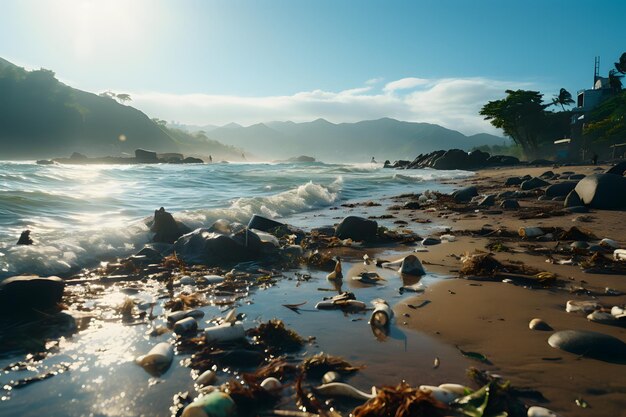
(80, 215)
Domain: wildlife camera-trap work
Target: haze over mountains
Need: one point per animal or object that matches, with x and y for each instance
(41, 117)
(383, 138)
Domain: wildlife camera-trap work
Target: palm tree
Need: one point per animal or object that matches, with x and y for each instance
(564, 98)
(615, 80)
(620, 66)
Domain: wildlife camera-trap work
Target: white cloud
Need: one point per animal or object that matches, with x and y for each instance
(405, 84)
(373, 81)
(453, 103)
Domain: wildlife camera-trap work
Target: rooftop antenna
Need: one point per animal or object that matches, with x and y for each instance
(596, 70)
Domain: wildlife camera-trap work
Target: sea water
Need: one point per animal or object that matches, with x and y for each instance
(79, 215)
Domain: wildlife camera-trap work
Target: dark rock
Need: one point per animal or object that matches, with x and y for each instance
(547, 175)
(572, 199)
(77, 156)
(558, 198)
(166, 229)
(513, 181)
(478, 158)
(465, 194)
(301, 158)
(411, 205)
(560, 189)
(430, 241)
(577, 209)
(488, 201)
(603, 191)
(45, 162)
(577, 176)
(453, 159)
(264, 224)
(357, 228)
(24, 293)
(618, 169)
(590, 344)
(25, 238)
(192, 160)
(324, 230)
(505, 194)
(541, 162)
(204, 247)
(387, 164)
(509, 204)
(543, 198)
(150, 255)
(142, 155)
(533, 183)
(502, 160)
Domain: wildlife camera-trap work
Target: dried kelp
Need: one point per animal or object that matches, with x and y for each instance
(401, 401)
(316, 366)
(276, 337)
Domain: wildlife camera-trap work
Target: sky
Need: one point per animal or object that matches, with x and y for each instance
(205, 62)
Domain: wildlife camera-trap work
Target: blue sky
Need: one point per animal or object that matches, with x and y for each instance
(203, 62)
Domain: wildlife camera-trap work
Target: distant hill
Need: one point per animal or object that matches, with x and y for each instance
(41, 117)
(383, 138)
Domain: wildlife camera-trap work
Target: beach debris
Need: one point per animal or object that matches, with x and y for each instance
(208, 377)
(480, 264)
(318, 365)
(276, 337)
(539, 324)
(210, 279)
(528, 232)
(618, 311)
(179, 315)
(368, 278)
(574, 306)
(590, 344)
(344, 301)
(474, 355)
(185, 326)
(185, 301)
(545, 277)
(401, 401)
(436, 363)
(341, 389)
(271, 384)
(609, 243)
(447, 238)
(158, 360)
(295, 307)
(409, 265)
(21, 383)
(336, 273)
(418, 287)
(582, 403)
(226, 332)
(331, 376)
(214, 404)
(574, 233)
(445, 395)
(619, 254)
(382, 314)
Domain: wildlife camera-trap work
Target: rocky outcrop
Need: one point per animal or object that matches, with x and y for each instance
(30, 293)
(357, 228)
(144, 156)
(166, 229)
(465, 194)
(203, 246)
(25, 238)
(456, 159)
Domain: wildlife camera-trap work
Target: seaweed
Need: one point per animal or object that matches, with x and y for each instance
(249, 396)
(278, 368)
(316, 366)
(574, 233)
(276, 337)
(481, 264)
(401, 401)
(185, 301)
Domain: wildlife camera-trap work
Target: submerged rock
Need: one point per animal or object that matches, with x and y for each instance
(24, 293)
(357, 228)
(25, 238)
(590, 344)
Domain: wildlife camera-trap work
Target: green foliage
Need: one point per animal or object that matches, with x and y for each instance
(511, 150)
(564, 98)
(607, 123)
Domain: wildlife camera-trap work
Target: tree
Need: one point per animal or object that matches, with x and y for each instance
(521, 115)
(607, 122)
(620, 65)
(564, 98)
(123, 97)
(615, 81)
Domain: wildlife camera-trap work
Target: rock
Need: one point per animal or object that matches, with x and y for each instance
(502, 160)
(561, 189)
(25, 238)
(577, 176)
(604, 318)
(618, 169)
(536, 411)
(206, 378)
(430, 241)
(577, 209)
(465, 194)
(541, 162)
(513, 181)
(357, 228)
(166, 229)
(453, 159)
(533, 183)
(331, 376)
(505, 194)
(411, 205)
(192, 160)
(573, 306)
(411, 265)
(603, 191)
(590, 344)
(538, 324)
(324, 230)
(487, 201)
(547, 175)
(205, 247)
(142, 155)
(264, 224)
(77, 156)
(45, 162)
(509, 204)
(572, 200)
(30, 292)
(151, 255)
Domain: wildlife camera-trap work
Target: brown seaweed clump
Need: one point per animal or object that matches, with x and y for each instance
(277, 337)
(316, 366)
(481, 264)
(250, 397)
(185, 301)
(401, 401)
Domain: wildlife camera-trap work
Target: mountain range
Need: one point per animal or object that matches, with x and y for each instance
(384, 138)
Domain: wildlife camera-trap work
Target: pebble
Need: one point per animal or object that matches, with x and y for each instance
(602, 317)
(574, 306)
(538, 324)
(429, 241)
(589, 344)
(206, 378)
(535, 411)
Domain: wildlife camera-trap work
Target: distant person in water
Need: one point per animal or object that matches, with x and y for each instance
(595, 159)
(373, 161)
(210, 159)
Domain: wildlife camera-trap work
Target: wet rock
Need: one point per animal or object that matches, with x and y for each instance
(533, 183)
(454, 159)
(192, 160)
(572, 200)
(429, 241)
(513, 181)
(165, 228)
(411, 205)
(142, 155)
(509, 204)
(28, 293)
(573, 306)
(539, 324)
(589, 344)
(488, 201)
(605, 318)
(357, 228)
(547, 175)
(25, 238)
(561, 189)
(618, 169)
(264, 224)
(465, 194)
(204, 247)
(603, 191)
(324, 230)
(150, 255)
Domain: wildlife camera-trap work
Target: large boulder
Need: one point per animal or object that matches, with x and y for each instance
(478, 158)
(591, 344)
(357, 228)
(210, 248)
(561, 189)
(277, 229)
(618, 169)
(572, 200)
(453, 159)
(603, 191)
(142, 155)
(192, 160)
(165, 228)
(465, 194)
(29, 293)
(25, 238)
(502, 160)
(533, 183)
